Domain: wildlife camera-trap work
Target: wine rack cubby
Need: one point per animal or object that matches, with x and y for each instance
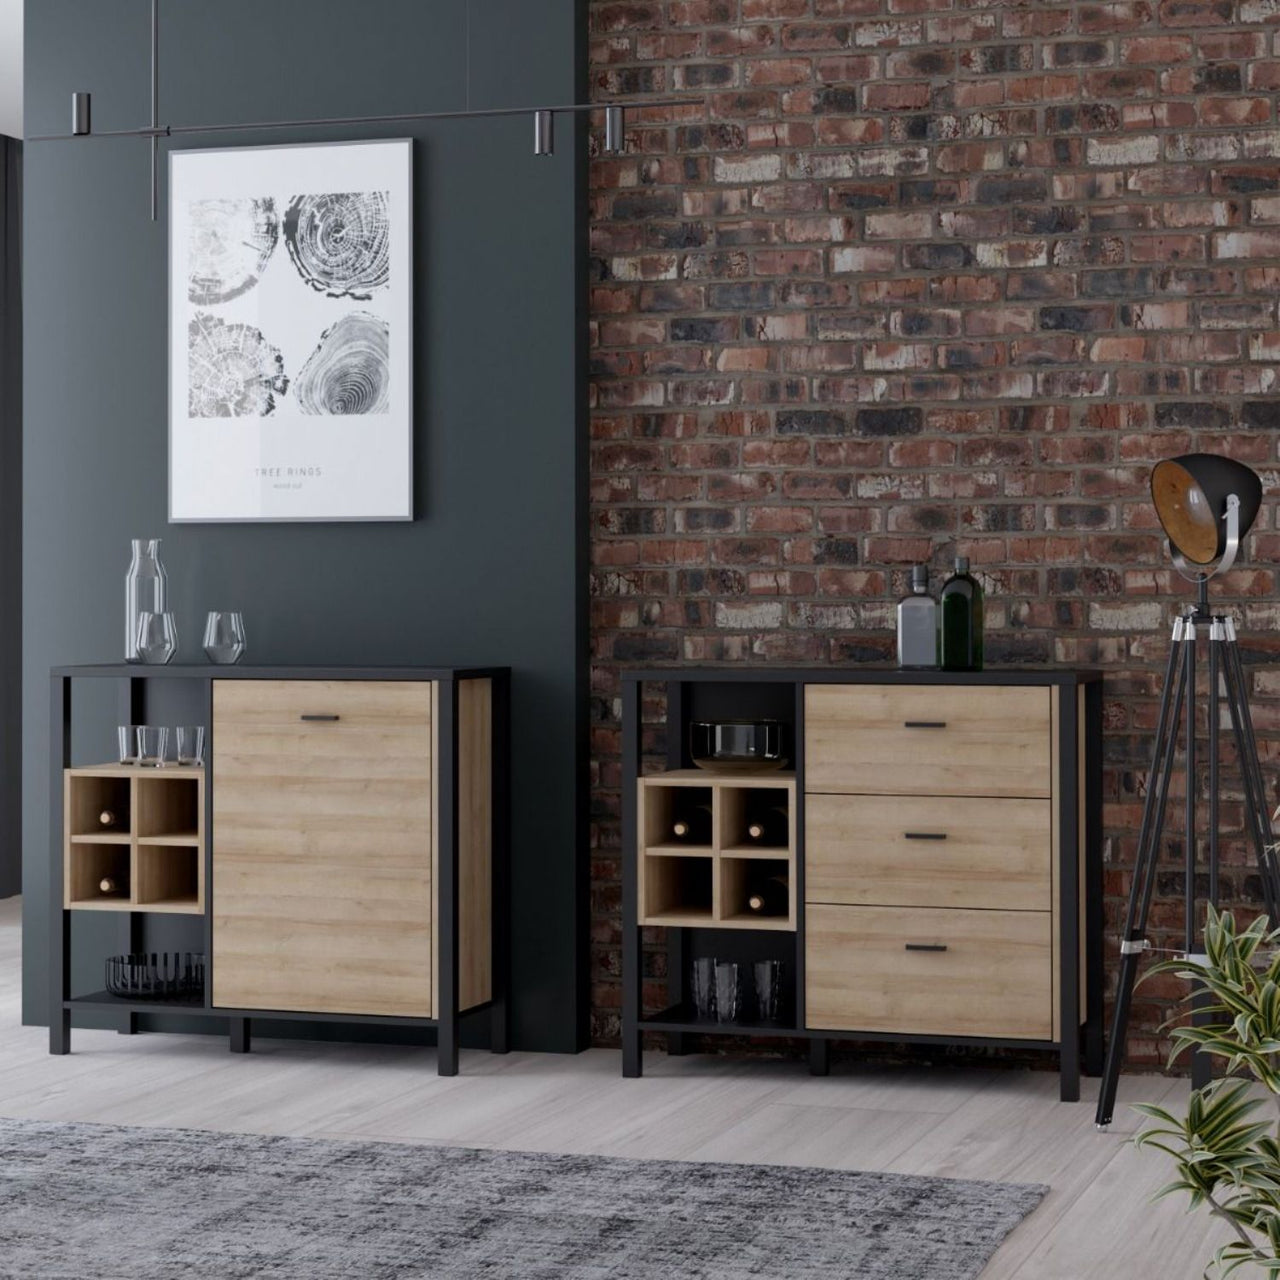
(740, 840)
(140, 830)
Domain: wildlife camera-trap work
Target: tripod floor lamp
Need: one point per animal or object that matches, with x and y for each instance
(1206, 505)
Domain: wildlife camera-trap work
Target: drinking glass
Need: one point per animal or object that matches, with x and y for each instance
(769, 990)
(189, 743)
(726, 991)
(152, 741)
(704, 988)
(157, 638)
(127, 739)
(224, 637)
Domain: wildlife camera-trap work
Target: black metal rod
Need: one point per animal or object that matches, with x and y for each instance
(1146, 860)
(632, 977)
(1256, 812)
(677, 951)
(1215, 678)
(333, 122)
(59, 917)
(1069, 898)
(446, 1010)
(1189, 847)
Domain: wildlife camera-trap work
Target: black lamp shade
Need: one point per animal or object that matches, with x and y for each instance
(1190, 495)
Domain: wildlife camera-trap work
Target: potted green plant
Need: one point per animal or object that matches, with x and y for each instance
(1227, 1147)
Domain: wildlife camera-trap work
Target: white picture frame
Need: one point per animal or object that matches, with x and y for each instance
(290, 333)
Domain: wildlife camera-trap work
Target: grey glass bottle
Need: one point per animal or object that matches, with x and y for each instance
(918, 623)
(146, 590)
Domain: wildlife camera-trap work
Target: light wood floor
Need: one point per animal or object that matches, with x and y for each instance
(1095, 1224)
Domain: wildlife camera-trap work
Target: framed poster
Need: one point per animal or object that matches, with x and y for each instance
(290, 333)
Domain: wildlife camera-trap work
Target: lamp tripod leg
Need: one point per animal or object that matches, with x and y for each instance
(1257, 812)
(1146, 858)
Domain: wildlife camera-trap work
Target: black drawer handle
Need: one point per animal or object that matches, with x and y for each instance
(924, 724)
(924, 835)
(926, 946)
(320, 717)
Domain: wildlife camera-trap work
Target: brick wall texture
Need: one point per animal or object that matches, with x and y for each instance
(907, 276)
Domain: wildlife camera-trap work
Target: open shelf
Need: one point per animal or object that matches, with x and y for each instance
(90, 865)
(169, 804)
(94, 796)
(682, 1017)
(677, 890)
(707, 883)
(154, 850)
(170, 878)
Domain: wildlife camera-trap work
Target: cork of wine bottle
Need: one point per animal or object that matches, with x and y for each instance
(107, 885)
(107, 818)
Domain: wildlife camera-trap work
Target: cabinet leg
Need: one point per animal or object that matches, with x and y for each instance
(240, 1035)
(60, 1031)
(819, 1056)
(1069, 1089)
(447, 1047)
(632, 1055)
(499, 1027)
(1093, 1050)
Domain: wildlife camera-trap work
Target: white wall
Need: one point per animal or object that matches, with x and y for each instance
(11, 67)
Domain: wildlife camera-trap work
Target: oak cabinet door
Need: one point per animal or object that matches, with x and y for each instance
(322, 838)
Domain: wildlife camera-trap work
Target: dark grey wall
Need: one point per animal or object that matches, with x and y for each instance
(10, 517)
(490, 572)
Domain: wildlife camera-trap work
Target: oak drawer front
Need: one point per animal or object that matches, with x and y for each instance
(322, 846)
(929, 740)
(929, 971)
(931, 852)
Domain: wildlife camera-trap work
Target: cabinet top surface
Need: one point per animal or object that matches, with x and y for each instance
(868, 674)
(213, 671)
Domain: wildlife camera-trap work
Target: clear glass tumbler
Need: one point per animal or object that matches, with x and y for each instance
(769, 990)
(189, 743)
(152, 741)
(727, 991)
(157, 638)
(127, 741)
(703, 986)
(224, 637)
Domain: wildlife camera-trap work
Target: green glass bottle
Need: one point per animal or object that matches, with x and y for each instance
(960, 609)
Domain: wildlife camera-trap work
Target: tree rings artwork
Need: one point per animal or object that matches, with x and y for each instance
(290, 342)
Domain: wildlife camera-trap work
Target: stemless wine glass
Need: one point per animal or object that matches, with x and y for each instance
(127, 739)
(224, 637)
(704, 988)
(152, 741)
(189, 743)
(727, 991)
(157, 638)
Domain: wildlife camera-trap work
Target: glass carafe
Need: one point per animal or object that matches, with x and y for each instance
(146, 590)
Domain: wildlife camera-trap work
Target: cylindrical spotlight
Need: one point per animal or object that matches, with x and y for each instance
(544, 133)
(80, 119)
(1191, 496)
(615, 131)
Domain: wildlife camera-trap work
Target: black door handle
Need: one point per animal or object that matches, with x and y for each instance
(320, 717)
(926, 946)
(924, 835)
(924, 724)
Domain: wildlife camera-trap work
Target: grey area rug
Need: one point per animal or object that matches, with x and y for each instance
(102, 1202)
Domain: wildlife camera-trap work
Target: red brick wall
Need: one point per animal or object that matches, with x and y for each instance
(915, 274)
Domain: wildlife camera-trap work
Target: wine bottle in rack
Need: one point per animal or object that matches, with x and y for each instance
(692, 825)
(770, 826)
(107, 818)
(107, 885)
(770, 896)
